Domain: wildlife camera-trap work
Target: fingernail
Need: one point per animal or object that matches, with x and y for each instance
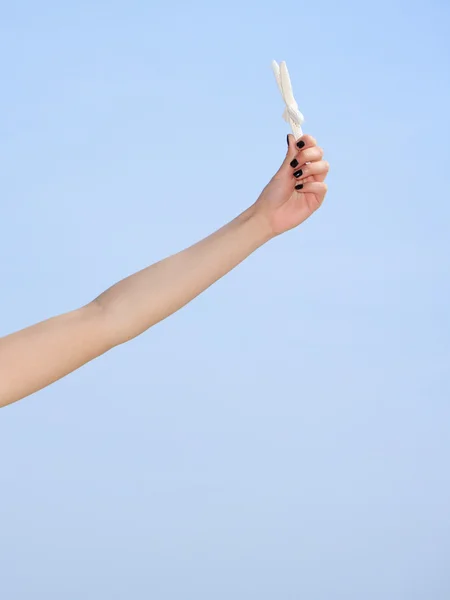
(299, 186)
(287, 139)
(300, 144)
(294, 163)
(298, 173)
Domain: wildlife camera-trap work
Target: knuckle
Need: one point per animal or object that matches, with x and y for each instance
(314, 154)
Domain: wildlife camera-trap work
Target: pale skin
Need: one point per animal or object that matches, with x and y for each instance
(37, 356)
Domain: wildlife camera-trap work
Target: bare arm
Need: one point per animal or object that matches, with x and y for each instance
(138, 302)
(39, 355)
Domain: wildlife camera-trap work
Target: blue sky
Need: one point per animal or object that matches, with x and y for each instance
(286, 434)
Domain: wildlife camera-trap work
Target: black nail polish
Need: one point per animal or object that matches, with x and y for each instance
(300, 144)
(299, 186)
(287, 139)
(298, 173)
(294, 163)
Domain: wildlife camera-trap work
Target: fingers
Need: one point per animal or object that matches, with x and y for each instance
(304, 151)
(306, 141)
(292, 152)
(309, 169)
(309, 155)
(304, 160)
(303, 157)
(318, 170)
(316, 188)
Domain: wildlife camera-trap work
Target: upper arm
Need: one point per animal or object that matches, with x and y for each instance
(34, 357)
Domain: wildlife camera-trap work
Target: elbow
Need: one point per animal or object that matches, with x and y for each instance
(111, 328)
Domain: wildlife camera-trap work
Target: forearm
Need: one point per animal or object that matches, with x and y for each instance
(145, 298)
(43, 353)
(39, 355)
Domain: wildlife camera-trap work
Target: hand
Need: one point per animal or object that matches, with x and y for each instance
(297, 189)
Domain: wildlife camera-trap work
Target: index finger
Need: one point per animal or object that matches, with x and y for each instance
(306, 141)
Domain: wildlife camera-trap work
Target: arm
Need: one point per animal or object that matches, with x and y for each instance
(41, 354)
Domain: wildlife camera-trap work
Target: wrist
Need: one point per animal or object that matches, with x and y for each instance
(258, 224)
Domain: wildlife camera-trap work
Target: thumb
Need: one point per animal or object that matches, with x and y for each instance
(290, 154)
